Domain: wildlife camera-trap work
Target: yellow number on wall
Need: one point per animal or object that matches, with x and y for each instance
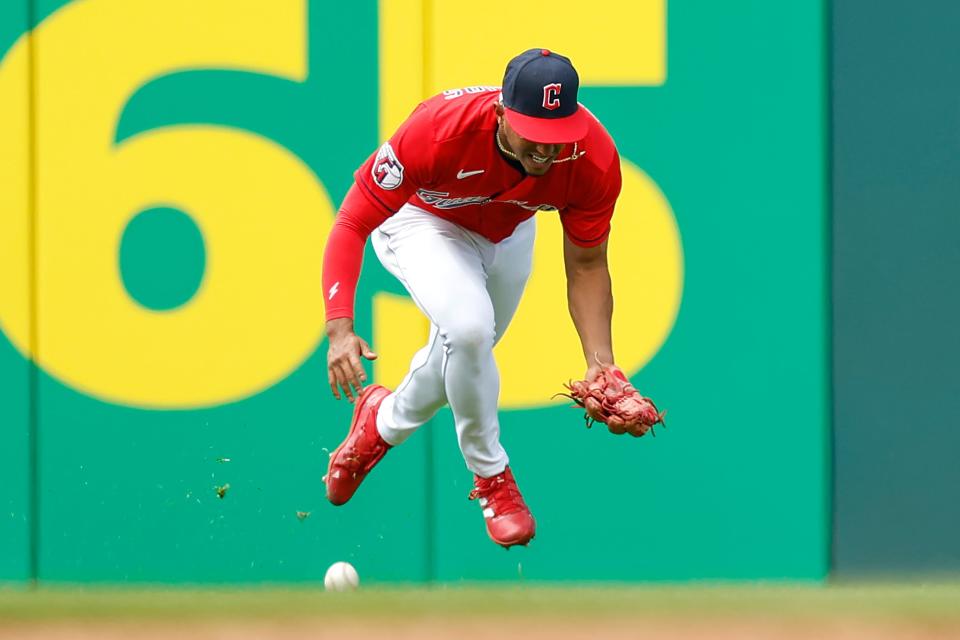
(263, 214)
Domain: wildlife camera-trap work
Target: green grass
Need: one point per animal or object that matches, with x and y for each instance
(931, 602)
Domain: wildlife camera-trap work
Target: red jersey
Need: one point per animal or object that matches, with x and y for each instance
(444, 159)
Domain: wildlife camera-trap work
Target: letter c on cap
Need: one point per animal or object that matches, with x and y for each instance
(551, 96)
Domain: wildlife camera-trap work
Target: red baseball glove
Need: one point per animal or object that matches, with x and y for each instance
(612, 400)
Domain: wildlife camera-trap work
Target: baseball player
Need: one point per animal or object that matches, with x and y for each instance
(449, 201)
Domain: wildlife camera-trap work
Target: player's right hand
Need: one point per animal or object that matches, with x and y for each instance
(344, 350)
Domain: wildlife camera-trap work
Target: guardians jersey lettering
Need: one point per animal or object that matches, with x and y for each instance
(531, 207)
(440, 200)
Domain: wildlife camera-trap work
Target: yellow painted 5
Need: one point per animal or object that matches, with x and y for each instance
(438, 45)
(646, 267)
(258, 313)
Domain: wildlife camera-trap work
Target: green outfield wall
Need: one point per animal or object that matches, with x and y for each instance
(186, 166)
(896, 226)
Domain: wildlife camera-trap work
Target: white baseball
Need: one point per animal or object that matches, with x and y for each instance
(341, 576)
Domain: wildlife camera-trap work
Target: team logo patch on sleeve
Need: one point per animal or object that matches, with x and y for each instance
(387, 170)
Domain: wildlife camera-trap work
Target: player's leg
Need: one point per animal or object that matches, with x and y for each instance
(439, 264)
(442, 266)
(418, 396)
(507, 517)
(465, 334)
(508, 273)
(507, 265)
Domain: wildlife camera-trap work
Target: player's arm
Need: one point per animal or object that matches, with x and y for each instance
(590, 300)
(586, 225)
(382, 185)
(342, 261)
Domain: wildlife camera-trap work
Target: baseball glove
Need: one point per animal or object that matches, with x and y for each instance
(612, 400)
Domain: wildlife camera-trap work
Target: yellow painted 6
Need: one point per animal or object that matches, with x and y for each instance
(263, 214)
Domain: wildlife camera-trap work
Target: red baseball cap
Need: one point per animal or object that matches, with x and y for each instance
(540, 98)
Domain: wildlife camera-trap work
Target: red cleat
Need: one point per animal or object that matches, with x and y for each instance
(509, 521)
(362, 449)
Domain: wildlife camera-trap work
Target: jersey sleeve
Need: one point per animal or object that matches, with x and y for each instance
(343, 254)
(586, 219)
(402, 164)
(382, 184)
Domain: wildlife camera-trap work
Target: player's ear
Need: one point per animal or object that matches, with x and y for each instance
(499, 109)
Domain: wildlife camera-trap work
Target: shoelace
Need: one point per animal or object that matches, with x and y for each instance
(503, 496)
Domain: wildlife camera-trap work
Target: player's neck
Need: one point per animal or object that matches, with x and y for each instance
(506, 154)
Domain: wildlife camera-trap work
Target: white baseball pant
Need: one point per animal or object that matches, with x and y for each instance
(469, 288)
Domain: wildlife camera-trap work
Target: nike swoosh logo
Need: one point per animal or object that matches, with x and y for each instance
(466, 174)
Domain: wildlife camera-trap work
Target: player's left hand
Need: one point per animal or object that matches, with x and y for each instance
(593, 373)
(608, 397)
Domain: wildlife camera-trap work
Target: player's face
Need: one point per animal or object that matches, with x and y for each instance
(536, 157)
